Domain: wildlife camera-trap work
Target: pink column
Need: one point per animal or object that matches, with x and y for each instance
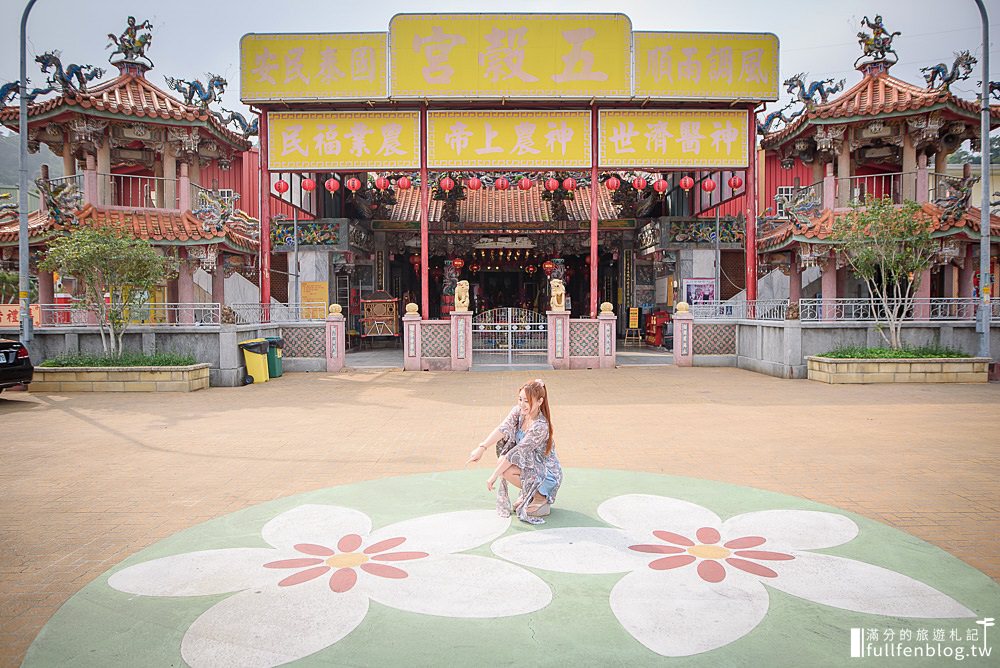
(794, 278)
(558, 336)
(219, 281)
(829, 288)
(184, 185)
(683, 336)
(185, 289)
(461, 340)
(46, 297)
(967, 273)
(923, 179)
(607, 344)
(411, 341)
(594, 185)
(265, 220)
(829, 188)
(922, 306)
(335, 330)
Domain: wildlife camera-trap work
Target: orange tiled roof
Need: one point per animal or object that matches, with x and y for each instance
(878, 92)
(129, 94)
(509, 207)
(155, 225)
(820, 226)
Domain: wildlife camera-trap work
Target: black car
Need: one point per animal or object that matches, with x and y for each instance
(15, 364)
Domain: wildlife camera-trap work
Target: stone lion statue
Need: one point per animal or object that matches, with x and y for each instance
(462, 296)
(558, 299)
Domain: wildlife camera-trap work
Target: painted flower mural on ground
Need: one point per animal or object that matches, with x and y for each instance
(313, 586)
(694, 583)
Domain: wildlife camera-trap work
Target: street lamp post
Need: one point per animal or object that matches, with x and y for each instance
(23, 265)
(985, 280)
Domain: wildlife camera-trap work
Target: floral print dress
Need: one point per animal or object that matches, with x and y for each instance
(539, 472)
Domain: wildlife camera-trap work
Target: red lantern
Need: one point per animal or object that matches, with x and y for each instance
(569, 184)
(447, 184)
(474, 267)
(403, 183)
(501, 184)
(436, 273)
(381, 183)
(660, 186)
(333, 185)
(735, 182)
(474, 183)
(586, 258)
(687, 183)
(524, 183)
(612, 183)
(281, 187)
(353, 184)
(639, 183)
(308, 185)
(415, 261)
(548, 267)
(531, 269)
(458, 263)
(708, 185)
(552, 185)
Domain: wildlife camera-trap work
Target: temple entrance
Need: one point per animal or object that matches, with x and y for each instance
(512, 289)
(510, 337)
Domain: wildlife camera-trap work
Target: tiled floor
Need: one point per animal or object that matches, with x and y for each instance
(90, 479)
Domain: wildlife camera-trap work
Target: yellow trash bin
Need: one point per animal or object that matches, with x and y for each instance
(255, 355)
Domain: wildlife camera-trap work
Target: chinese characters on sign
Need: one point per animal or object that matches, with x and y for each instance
(313, 66)
(343, 141)
(704, 66)
(511, 55)
(515, 139)
(664, 138)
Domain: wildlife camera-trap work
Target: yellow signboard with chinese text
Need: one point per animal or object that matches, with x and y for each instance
(668, 138)
(317, 295)
(510, 55)
(343, 141)
(508, 139)
(325, 66)
(706, 66)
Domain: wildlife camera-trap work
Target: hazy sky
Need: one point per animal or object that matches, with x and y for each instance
(195, 36)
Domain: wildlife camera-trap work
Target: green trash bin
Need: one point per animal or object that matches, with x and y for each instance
(275, 354)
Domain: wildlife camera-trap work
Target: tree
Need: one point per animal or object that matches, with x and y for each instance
(961, 156)
(889, 247)
(107, 263)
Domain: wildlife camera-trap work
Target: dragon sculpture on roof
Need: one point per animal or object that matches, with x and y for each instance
(72, 79)
(247, 129)
(206, 94)
(806, 94)
(938, 77)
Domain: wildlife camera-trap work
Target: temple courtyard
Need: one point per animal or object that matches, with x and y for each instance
(708, 515)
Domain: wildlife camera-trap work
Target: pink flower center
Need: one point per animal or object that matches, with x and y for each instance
(343, 563)
(708, 554)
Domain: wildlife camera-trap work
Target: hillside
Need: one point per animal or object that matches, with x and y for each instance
(8, 161)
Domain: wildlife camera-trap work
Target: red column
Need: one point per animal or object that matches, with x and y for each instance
(751, 191)
(425, 209)
(265, 215)
(594, 185)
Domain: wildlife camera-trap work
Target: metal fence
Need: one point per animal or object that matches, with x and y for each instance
(759, 309)
(503, 335)
(868, 310)
(252, 314)
(173, 314)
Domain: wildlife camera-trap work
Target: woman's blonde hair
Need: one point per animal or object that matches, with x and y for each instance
(535, 391)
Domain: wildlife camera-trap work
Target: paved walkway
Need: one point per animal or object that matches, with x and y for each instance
(89, 480)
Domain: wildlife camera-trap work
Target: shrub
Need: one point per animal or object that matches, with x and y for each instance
(125, 359)
(859, 352)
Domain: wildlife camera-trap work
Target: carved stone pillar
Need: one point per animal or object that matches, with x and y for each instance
(794, 278)
(90, 180)
(968, 272)
(828, 286)
(844, 173)
(169, 178)
(219, 281)
(69, 162)
(923, 181)
(184, 189)
(104, 193)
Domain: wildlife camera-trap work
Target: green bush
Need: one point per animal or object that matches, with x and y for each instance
(859, 352)
(125, 359)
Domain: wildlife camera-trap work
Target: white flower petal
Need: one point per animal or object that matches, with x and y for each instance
(444, 533)
(860, 587)
(792, 529)
(676, 613)
(459, 585)
(641, 514)
(573, 550)
(316, 524)
(272, 626)
(196, 573)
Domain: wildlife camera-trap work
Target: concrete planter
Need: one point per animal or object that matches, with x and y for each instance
(922, 370)
(121, 379)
